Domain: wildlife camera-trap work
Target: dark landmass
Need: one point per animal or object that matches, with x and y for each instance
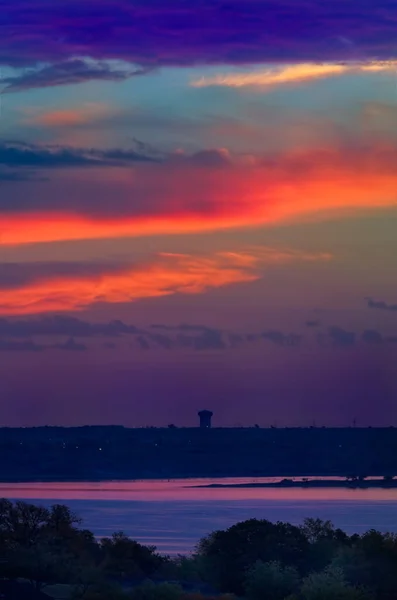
(113, 452)
(314, 483)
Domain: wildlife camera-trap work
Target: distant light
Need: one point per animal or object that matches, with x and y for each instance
(99, 448)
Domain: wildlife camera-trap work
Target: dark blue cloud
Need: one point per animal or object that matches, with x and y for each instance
(67, 72)
(153, 33)
(15, 175)
(381, 305)
(27, 335)
(60, 325)
(14, 154)
(371, 336)
(24, 346)
(282, 339)
(312, 323)
(338, 337)
(71, 346)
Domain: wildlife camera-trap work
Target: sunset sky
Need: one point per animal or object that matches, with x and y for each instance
(198, 209)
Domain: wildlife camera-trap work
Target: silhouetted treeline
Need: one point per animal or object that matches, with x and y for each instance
(254, 560)
(94, 453)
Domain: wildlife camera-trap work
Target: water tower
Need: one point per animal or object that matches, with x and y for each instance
(205, 419)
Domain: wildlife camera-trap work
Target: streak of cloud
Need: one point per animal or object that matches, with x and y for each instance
(16, 154)
(291, 74)
(381, 305)
(66, 73)
(187, 194)
(165, 275)
(71, 117)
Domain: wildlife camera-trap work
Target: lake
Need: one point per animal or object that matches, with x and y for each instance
(174, 514)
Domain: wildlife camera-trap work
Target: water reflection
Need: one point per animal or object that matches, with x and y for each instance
(174, 514)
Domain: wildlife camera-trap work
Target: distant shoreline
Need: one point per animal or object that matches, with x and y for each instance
(282, 483)
(121, 478)
(322, 483)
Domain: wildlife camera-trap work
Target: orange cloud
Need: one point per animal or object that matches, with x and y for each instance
(166, 275)
(299, 73)
(82, 115)
(179, 198)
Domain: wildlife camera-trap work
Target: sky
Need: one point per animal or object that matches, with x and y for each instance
(198, 210)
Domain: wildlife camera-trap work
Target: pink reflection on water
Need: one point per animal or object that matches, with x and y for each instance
(184, 490)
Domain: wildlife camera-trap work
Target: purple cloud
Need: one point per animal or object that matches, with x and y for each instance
(381, 305)
(64, 73)
(179, 32)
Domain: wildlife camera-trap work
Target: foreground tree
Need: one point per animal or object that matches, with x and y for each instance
(271, 580)
(325, 541)
(153, 591)
(21, 523)
(227, 555)
(100, 590)
(124, 558)
(331, 584)
(40, 565)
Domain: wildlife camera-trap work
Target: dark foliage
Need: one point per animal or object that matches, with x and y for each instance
(254, 559)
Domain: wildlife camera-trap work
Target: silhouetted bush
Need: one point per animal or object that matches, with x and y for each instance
(255, 559)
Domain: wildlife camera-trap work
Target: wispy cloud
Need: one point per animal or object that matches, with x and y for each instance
(381, 305)
(291, 74)
(18, 154)
(36, 334)
(67, 73)
(88, 113)
(164, 275)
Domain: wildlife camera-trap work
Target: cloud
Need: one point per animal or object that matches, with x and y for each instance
(16, 275)
(282, 339)
(339, 337)
(143, 344)
(15, 175)
(66, 73)
(379, 304)
(236, 339)
(370, 336)
(162, 340)
(202, 32)
(20, 154)
(63, 325)
(291, 74)
(34, 335)
(71, 346)
(87, 114)
(25, 346)
(209, 339)
(201, 337)
(182, 327)
(178, 195)
(31, 346)
(163, 275)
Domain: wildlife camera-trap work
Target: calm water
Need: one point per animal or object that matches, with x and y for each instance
(173, 515)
